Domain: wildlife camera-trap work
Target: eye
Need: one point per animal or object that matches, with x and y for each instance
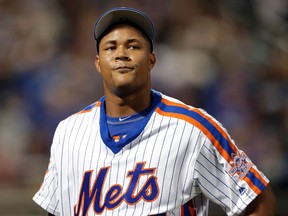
(133, 46)
(112, 47)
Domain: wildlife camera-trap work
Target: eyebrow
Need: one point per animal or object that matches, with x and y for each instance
(110, 42)
(132, 40)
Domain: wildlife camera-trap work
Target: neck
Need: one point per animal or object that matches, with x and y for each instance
(127, 105)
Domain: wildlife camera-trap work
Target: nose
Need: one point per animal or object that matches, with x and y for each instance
(122, 54)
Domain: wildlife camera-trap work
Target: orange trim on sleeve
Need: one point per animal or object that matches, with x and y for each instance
(211, 137)
(255, 172)
(209, 119)
(201, 127)
(251, 185)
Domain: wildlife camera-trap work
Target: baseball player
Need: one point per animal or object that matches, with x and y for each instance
(139, 152)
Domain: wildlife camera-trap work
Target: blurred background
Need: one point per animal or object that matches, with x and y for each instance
(229, 57)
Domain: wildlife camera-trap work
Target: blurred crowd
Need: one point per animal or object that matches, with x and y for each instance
(228, 57)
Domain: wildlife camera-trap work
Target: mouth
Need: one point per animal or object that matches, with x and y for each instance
(123, 69)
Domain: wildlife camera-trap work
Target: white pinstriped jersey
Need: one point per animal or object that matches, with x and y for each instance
(181, 158)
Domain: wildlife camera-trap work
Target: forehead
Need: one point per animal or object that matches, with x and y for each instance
(123, 31)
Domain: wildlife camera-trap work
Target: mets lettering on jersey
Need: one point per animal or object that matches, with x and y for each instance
(171, 165)
(116, 194)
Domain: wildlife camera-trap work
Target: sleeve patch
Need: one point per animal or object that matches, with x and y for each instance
(240, 164)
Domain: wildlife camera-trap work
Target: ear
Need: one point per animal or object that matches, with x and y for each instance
(152, 60)
(97, 64)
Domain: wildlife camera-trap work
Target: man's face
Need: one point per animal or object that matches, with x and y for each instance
(124, 60)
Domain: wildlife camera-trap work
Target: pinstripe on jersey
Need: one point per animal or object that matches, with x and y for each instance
(181, 158)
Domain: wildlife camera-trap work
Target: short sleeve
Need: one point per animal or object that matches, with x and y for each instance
(225, 174)
(48, 195)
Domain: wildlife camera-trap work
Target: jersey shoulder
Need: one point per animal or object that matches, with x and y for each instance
(88, 109)
(178, 109)
(220, 140)
(85, 111)
(83, 116)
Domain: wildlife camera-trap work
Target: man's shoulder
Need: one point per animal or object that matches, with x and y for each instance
(176, 103)
(87, 110)
(176, 108)
(81, 117)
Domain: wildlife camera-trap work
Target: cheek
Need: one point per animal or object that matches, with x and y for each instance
(104, 63)
(141, 62)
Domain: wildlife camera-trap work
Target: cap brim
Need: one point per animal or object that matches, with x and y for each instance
(123, 14)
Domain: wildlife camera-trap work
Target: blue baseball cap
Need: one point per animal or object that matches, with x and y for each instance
(124, 15)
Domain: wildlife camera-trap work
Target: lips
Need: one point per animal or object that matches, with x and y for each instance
(123, 68)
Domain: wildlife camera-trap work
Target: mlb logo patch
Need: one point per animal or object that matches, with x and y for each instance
(240, 164)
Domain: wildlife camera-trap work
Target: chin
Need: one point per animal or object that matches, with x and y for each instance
(124, 90)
